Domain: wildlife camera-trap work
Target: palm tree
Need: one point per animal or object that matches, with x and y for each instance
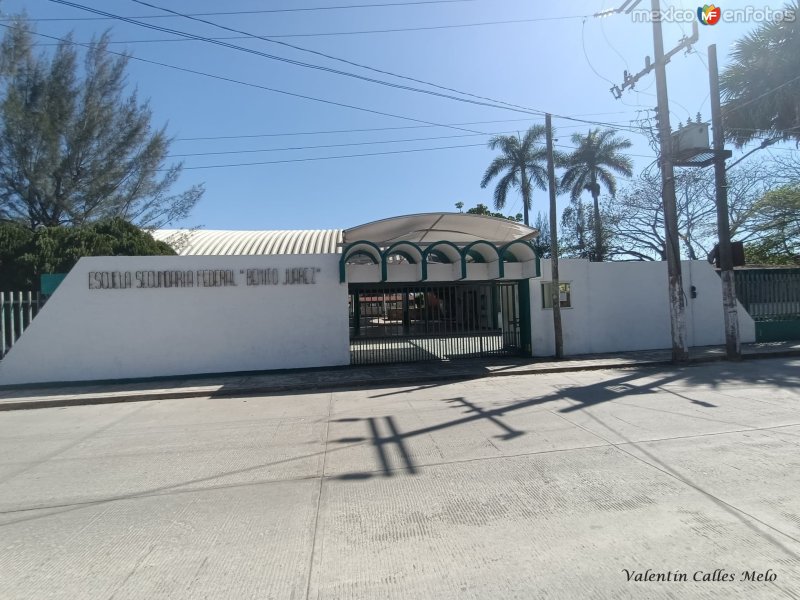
(597, 156)
(522, 160)
(760, 86)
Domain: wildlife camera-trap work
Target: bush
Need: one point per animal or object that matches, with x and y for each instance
(26, 254)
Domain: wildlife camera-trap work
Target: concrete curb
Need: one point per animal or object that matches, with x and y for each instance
(263, 390)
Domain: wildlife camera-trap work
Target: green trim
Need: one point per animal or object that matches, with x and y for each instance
(48, 282)
(525, 333)
(390, 251)
(430, 248)
(346, 254)
(777, 331)
(469, 247)
(502, 255)
(504, 249)
(427, 252)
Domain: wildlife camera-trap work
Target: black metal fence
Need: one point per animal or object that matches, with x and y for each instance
(407, 323)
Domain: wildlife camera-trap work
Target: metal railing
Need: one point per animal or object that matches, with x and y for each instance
(406, 323)
(769, 294)
(17, 310)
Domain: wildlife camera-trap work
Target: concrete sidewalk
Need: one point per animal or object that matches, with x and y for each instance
(248, 384)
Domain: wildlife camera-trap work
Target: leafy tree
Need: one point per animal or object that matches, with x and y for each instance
(542, 242)
(73, 147)
(579, 217)
(776, 228)
(522, 163)
(597, 156)
(637, 216)
(760, 87)
(26, 254)
(482, 209)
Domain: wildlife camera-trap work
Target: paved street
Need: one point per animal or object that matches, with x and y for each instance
(561, 485)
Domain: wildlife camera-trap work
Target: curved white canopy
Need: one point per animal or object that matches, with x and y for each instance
(426, 228)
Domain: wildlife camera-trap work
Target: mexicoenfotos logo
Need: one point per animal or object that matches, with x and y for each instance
(708, 14)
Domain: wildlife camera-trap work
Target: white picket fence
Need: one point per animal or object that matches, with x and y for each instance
(17, 310)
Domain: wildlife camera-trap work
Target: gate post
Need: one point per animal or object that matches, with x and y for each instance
(525, 333)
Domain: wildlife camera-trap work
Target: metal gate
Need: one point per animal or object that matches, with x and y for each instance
(405, 323)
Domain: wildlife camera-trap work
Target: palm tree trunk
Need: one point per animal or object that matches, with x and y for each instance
(581, 235)
(598, 229)
(526, 196)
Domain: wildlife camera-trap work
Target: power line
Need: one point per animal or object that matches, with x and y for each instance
(254, 85)
(306, 97)
(331, 57)
(362, 32)
(481, 100)
(371, 129)
(369, 143)
(505, 106)
(267, 11)
(586, 55)
(342, 156)
(294, 160)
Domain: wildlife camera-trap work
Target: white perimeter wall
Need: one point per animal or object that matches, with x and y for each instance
(625, 306)
(90, 334)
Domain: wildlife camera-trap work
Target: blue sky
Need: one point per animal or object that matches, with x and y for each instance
(539, 64)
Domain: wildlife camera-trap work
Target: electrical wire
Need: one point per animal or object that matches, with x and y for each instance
(370, 129)
(480, 100)
(318, 158)
(361, 32)
(254, 85)
(273, 10)
(586, 55)
(369, 143)
(506, 106)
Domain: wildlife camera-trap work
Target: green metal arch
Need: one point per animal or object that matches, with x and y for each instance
(527, 244)
(432, 247)
(389, 251)
(469, 247)
(504, 249)
(465, 251)
(427, 252)
(346, 254)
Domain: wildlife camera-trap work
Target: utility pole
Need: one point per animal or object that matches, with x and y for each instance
(677, 303)
(556, 288)
(732, 343)
(677, 299)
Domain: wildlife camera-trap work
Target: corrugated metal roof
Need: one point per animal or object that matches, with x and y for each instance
(210, 242)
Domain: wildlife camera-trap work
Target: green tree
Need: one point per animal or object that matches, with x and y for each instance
(761, 85)
(541, 243)
(26, 254)
(597, 156)
(74, 147)
(482, 209)
(522, 164)
(776, 228)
